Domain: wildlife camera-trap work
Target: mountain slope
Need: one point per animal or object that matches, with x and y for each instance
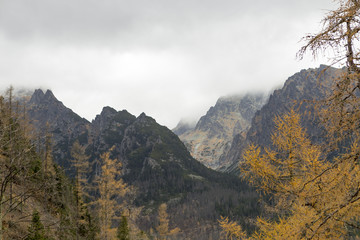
(49, 116)
(213, 134)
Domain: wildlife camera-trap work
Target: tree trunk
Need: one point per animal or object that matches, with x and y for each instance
(1, 219)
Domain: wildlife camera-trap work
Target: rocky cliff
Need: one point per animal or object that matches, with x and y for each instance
(49, 116)
(213, 134)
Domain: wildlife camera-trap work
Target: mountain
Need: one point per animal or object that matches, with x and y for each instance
(49, 116)
(183, 126)
(300, 91)
(213, 134)
(155, 162)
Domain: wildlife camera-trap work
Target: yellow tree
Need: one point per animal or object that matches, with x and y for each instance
(313, 198)
(110, 187)
(231, 230)
(81, 165)
(288, 172)
(340, 36)
(163, 227)
(340, 112)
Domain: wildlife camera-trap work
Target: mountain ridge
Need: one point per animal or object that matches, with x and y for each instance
(154, 160)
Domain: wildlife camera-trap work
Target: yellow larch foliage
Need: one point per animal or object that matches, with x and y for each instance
(163, 227)
(231, 230)
(110, 187)
(284, 170)
(314, 199)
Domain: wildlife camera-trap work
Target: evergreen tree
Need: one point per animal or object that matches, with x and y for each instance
(36, 229)
(123, 232)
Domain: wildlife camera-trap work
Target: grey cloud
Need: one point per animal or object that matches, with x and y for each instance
(134, 54)
(126, 22)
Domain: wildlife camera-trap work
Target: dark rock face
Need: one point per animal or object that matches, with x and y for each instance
(213, 134)
(49, 116)
(299, 91)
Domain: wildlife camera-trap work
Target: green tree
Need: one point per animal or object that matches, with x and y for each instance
(36, 229)
(123, 232)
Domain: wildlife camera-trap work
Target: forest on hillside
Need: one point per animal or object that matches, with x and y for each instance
(39, 201)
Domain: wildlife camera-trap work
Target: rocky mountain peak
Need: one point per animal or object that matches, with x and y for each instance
(214, 132)
(108, 111)
(37, 96)
(47, 98)
(183, 126)
(49, 95)
(111, 120)
(142, 116)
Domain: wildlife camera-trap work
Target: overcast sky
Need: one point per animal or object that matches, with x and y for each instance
(171, 59)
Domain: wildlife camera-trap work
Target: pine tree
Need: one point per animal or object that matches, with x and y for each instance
(123, 232)
(36, 229)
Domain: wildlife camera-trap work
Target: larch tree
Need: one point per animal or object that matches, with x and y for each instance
(163, 226)
(340, 112)
(304, 186)
(289, 173)
(231, 230)
(340, 36)
(110, 187)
